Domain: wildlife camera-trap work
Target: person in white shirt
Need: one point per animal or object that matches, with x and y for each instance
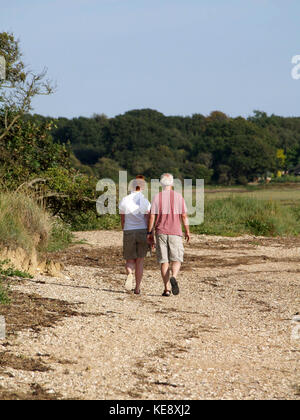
(134, 211)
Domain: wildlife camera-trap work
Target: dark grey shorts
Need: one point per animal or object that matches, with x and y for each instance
(135, 244)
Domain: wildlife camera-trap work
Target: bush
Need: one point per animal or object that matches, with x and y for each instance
(91, 221)
(71, 196)
(60, 237)
(242, 180)
(286, 178)
(66, 193)
(29, 151)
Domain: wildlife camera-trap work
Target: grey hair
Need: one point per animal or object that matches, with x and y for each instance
(167, 180)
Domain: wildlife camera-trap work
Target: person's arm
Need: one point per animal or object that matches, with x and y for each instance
(122, 220)
(185, 221)
(147, 215)
(151, 221)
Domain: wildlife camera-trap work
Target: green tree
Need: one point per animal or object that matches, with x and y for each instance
(20, 86)
(280, 159)
(107, 168)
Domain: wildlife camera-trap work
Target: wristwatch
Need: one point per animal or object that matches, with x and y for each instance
(149, 233)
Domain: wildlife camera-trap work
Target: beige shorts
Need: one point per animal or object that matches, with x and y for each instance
(135, 244)
(169, 248)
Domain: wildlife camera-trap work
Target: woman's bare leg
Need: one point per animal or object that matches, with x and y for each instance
(130, 266)
(139, 270)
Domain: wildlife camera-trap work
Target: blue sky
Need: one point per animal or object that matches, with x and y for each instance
(179, 57)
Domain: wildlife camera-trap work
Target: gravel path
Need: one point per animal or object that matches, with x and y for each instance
(228, 335)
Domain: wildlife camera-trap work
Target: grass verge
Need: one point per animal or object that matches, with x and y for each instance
(23, 223)
(233, 216)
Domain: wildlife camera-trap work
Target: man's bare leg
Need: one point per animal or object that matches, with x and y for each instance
(176, 265)
(175, 270)
(138, 274)
(165, 273)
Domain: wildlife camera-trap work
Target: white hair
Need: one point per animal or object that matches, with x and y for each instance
(167, 180)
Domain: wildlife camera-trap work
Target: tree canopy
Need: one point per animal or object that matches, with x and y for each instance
(218, 148)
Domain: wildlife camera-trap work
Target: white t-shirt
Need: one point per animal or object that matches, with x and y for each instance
(135, 206)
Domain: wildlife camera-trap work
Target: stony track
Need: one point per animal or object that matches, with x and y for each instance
(232, 332)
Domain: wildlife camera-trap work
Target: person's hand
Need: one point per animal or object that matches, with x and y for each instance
(187, 237)
(150, 240)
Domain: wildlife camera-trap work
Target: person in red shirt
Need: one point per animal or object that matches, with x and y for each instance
(168, 213)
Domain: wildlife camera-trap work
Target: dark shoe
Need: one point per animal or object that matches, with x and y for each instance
(174, 284)
(166, 293)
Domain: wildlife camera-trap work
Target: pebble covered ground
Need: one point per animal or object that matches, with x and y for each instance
(231, 333)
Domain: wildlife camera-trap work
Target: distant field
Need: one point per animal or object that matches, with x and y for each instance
(272, 210)
(285, 194)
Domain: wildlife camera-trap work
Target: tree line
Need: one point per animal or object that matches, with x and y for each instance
(216, 148)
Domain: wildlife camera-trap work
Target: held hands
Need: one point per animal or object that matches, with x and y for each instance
(150, 240)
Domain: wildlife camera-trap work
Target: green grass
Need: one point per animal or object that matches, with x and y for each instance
(7, 270)
(238, 215)
(4, 299)
(263, 210)
(275, 193)
(60, 236)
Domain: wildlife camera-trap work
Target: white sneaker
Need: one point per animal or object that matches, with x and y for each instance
(129, 282)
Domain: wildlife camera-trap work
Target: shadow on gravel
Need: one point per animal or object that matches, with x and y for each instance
(112, 258)
(36, 392)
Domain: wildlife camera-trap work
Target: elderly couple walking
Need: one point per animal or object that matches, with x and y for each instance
(139, 221)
